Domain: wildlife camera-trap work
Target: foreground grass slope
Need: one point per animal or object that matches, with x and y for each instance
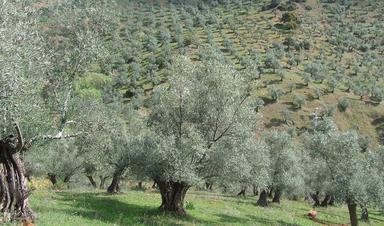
(140, 208)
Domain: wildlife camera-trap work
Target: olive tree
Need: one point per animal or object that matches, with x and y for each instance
(286, 172)
(344, 169)
(202, 119)
(33, 99)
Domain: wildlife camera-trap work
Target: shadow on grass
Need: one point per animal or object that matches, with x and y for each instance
(99, 206)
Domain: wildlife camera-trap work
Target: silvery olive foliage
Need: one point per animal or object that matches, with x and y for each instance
(24, 64)
(249, 167)
(340, 167)
(286, 170)
(203, 120)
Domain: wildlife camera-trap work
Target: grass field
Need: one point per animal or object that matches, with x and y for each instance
(75, 207)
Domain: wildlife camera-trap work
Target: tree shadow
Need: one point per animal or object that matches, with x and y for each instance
(283, 27)
(268, 101)
(232, 219)
(98, 206)
(275, 122)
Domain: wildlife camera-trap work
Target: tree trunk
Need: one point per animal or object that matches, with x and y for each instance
(255, 191)
(331, 201)
(364, 214)
(242, 192)
(114, 187)
(92, 181)
(13, 186)
(208, 186)
(276, 197)
(352, 212)
(172, 196)
(53, 178)
(67, 179)
(315, 198)
(325, 201)
(102, 182)
(140, 185)
(262, 199)
(270, 194)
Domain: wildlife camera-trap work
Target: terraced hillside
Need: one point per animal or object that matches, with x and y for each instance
(304, 58)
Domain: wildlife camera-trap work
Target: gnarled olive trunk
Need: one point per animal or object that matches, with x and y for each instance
(352, 212)
(92, 181)
(102, 181)
(315, 198)
(254, 190)
(67, 179)
(13, 187)
(277, 196)
(242, 192)
(53, 178)
(263, 201)
(114, 187)
(172, 196)
(325, 201)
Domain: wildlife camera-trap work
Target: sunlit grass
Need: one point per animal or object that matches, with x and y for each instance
(140, 208)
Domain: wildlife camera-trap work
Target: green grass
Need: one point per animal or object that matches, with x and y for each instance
(140, 208)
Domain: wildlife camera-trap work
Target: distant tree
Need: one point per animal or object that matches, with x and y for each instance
(289, 42)
(274, 92)
(287, 116)
(318, 93)
(316, 70)
(332, 84)
(271, 61)
(286, 171)
(306, 78)
(291, 20)
(298, 101)
(291, 87)
(377, 94)
(360, 89)
(259, 103)
(343, 104)
(281, 73)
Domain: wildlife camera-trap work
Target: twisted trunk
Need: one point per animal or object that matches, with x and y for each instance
(13, 187)
(270, 194)
(53, 178)
(114, 187)
(325, 201)
(277, 196)
(262, 199)
(67, 179)
(92, 181)
(255, 191)
(242, 192)
(102, 181)
(315, 198)
(172, 196)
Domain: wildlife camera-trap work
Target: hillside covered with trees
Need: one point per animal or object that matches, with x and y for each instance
(238, 112)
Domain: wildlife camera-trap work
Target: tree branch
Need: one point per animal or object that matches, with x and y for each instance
(20, 139)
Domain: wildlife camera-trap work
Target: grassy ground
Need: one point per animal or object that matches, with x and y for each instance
(140, 208)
